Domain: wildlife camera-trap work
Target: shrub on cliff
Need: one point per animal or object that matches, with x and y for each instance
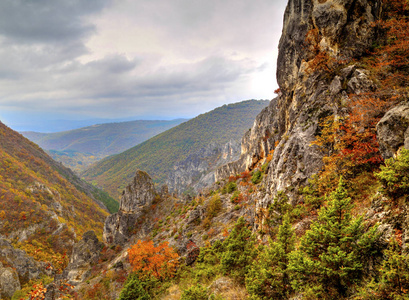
(394, 176)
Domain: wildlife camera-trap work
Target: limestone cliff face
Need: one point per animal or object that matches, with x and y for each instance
(84, 254)
(308, 94)
(136, 196)
(256, 143)
(197, 171)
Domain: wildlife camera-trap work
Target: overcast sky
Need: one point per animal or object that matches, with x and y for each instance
(147, 59)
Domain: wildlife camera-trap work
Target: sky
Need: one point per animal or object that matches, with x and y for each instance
(133, 59)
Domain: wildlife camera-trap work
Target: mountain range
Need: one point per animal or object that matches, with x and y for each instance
(81, 147)
(195, 147)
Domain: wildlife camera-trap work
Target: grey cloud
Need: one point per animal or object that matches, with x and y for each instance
(27, 21)
(113, 64)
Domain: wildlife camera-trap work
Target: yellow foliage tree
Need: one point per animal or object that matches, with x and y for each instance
(160, 261)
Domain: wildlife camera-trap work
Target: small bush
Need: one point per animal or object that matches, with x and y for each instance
(231, 187)
(256, 177)
(134, 289)
(197, 292)
(394, 176)
(214, 206)
(234, 198)
(264, 167)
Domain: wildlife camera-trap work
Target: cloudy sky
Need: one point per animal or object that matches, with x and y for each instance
(145, 59)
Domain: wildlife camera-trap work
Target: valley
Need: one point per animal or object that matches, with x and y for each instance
(79, 148)
(304, 196)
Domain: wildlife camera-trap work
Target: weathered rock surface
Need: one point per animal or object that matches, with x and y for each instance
(197, 171)
(26, 267)
(256, 143)
(9, 282)
(307, 94)
(85, 253)
(138, 195)
(393, 131)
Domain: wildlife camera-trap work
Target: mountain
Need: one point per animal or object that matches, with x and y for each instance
(44, 208)
(183, 155)
(81, 147)
(316, 206)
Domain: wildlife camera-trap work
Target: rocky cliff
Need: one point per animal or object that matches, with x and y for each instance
(197, 171)
(84, 254)
(316, 34)
(136, 197)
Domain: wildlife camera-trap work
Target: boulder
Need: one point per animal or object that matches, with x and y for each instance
(9, 282)
(26, 267)
(393, 130)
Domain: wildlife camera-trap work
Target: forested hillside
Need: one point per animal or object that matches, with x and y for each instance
(81, 147)
(44, 207)
(160, 154)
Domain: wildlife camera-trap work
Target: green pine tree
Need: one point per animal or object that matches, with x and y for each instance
(268, 277)
(238, 251)
(394, 283)
(330, 257)
(395, 273)
(134, 289)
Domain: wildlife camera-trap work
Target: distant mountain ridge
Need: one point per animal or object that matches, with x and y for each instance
(81, 147)
(172, 157)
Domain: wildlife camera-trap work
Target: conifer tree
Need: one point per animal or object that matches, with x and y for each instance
(394, 283)
(238, 251)
(268, 277)
(330, 257)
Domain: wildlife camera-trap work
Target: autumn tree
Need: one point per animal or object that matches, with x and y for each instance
(160, 261)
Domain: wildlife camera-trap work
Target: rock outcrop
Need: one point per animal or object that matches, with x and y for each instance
(393, 131)
(308, 94)
(135, 198)
(25, 266)
(85, 253)
(9, 282)
(197, 171)
(256, 143)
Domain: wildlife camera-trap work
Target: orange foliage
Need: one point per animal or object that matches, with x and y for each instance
(392, 58)
(322, 61)
(160, 261)
(38, 292)
(358, 139)
(349, 144)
